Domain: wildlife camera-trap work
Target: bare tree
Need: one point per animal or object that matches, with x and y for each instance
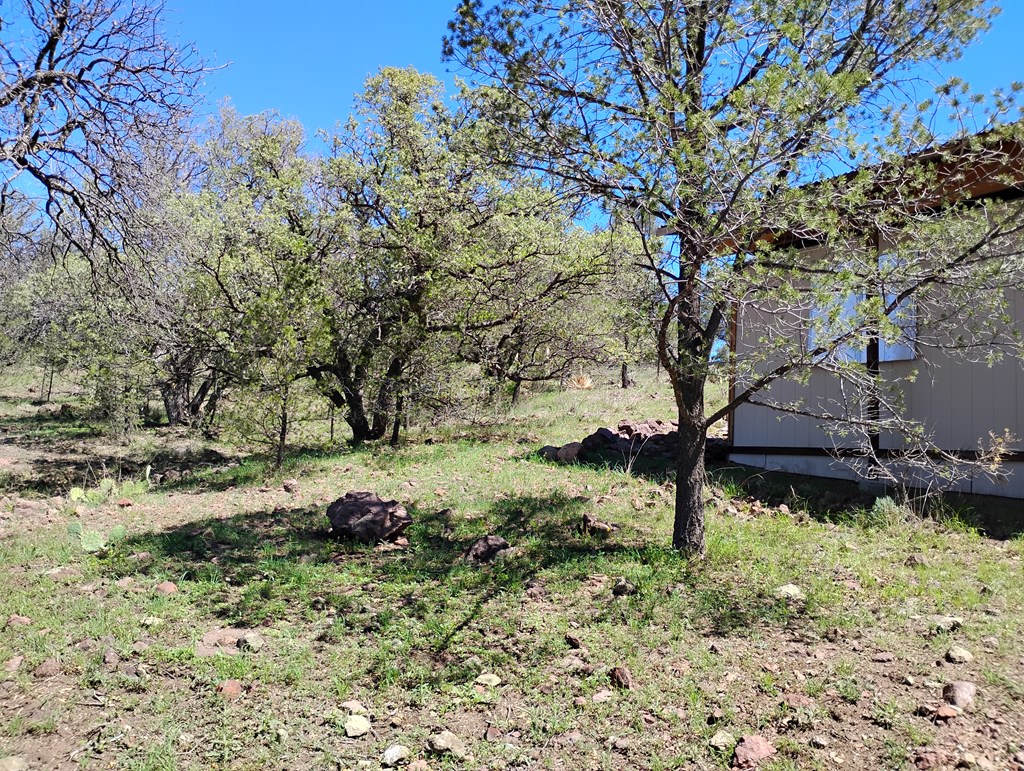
(88, 90)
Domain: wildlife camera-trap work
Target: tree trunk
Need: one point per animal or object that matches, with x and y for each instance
(397, 426)
(517, 390)
(282, 435)
(625, 375)
(688, 529)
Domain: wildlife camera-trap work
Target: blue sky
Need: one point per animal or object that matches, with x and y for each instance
(306, 58)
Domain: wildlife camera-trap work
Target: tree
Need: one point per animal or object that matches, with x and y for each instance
(716, 127)
(91, 94)
(436, 242)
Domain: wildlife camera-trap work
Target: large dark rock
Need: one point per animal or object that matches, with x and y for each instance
(364, 517)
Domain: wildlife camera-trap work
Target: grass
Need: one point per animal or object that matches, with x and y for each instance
(709, 644)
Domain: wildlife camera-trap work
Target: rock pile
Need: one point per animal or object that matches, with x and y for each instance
(648, 440)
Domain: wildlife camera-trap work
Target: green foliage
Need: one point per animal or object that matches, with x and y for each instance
(93, 541)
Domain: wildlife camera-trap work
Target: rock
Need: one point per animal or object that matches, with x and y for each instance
(14, 664)
(152, 622)
(395, 755)
(945, 712)
(230, 690)
(447, 743)
(16, 620)
(960, 693)
(945, 623)
(548, 452)
(722, 741)
(13, 763)
(573, 641)
(364, 517)
(488, 679)
(601, 696)
(486, 549)
(167, 588)
(250, 641)
(790, 592)
(916, 561)
(355, 707)
(819, 742)
(125, 503)
(290, 485)
(567, 453)
(751, 750)
(492, 734)
(419, 765)
(883, 658)
(622, 678)
(958, 655)
(798, 701)
(356, 726)
(111, 658)
(623, 588)
(592, 524)
(49, 668)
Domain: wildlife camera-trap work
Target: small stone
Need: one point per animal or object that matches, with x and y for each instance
(909, 680)
(573, 640)
(488, 679)
(419, 765)
(125, 582)
(140, 646)
(722, 741)
(152, 621)
(487, 549)
(16, 620)
(492, 734)
(819, 742)
(883, 658)
(13, 763)
(356, 726)
(716, 649)
(125, 503)
(622, 743)
(230, 690)
(916, 561)
(960, 693)
(751, 750)
(49, 668)
(958, 655)
(14, 664)
(250, 641)
(790, 592)
(167, 588)
(945, 712)
(945, 623)
(447, 743)
(797, 701)
(290, 485)
(622, 678)
(395, 755)
(601, 696)
(354, 707)
(110, 657)
(623, 588)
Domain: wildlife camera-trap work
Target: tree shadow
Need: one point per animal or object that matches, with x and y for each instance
(263, 566)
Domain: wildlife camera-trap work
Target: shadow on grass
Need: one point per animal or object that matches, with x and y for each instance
(260, 567)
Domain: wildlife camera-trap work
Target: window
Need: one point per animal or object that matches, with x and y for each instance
(902, 348)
